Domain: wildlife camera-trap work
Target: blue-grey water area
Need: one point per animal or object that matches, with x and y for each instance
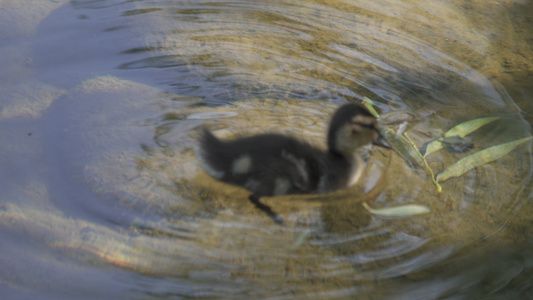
(102, 197)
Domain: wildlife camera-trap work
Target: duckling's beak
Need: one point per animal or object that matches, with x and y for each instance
(381, 141)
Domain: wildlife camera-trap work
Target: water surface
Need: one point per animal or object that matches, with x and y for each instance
(102, 196)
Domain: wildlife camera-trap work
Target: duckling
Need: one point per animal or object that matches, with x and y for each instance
(275, 164)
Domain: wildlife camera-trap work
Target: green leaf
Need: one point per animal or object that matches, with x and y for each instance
(433, 146)
(468, 127)
(399, 211)
(460, 130)
(479, 158)
(369, 104)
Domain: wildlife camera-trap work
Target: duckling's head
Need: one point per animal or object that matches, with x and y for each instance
(352, 126)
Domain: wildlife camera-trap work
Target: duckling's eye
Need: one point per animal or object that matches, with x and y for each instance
(367, 126)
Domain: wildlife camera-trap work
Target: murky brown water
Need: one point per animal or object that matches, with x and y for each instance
(102, 196)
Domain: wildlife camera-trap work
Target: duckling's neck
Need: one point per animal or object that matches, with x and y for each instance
(346, 170)
(356, 170)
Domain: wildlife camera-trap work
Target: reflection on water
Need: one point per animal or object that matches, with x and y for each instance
(103, 196)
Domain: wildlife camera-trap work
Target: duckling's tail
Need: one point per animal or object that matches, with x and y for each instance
(208, 140)
(210, 152)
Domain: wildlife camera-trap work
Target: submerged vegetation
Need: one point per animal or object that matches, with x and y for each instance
(455, 140)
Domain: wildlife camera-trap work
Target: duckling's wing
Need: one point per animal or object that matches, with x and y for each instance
(284, 165)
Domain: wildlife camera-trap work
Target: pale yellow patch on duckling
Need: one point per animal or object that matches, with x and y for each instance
(322, 184)
(242, 165)
(281, 186)
(252, 184)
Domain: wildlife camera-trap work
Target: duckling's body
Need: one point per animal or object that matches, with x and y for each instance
(275, 164)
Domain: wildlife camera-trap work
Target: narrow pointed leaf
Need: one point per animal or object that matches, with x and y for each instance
(433, 146)
(211, 115)
(399, 211)
(460, 130)
(479, 158)
(468, 127)
(369, 104)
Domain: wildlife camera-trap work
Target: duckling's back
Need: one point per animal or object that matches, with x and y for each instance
(267, 164)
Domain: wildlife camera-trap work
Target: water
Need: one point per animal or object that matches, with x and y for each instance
(102, 197)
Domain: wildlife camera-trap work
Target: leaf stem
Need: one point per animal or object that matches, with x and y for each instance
(439, 187)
